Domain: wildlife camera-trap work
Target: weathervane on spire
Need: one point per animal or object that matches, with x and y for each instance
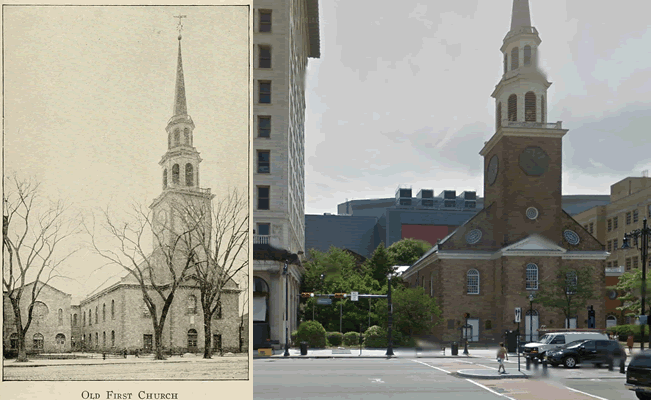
(180, 25)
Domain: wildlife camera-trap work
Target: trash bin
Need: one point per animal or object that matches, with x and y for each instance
(303, 348)
(455, 349)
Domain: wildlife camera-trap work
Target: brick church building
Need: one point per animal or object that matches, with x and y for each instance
(489, 265)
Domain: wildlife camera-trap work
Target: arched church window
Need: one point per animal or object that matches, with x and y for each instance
(515, 58)
(104, 312)
(506, 63)
(96, 314)
(189, 174)
(112, 309)
(530, 107)
(90, 317)
(38, 341)
(186, 136)
(527, 55)
(532, 277)
(169, 141)
(60, 316)
(177, 137)
(513, 108)
(542, 109)
(473, 281)
(175, 174)
(165, 178)
(498, 115)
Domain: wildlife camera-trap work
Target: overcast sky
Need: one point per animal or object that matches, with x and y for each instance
(88, 93)
(401, 94)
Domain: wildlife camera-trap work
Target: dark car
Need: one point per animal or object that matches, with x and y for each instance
(597, 352)
(638, 375)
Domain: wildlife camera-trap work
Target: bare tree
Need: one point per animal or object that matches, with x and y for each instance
(223, 234)
(245, 309)
(159, 271)
(33, 231)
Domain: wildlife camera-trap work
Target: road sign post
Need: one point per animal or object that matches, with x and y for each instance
(354, 296)
(518, 314)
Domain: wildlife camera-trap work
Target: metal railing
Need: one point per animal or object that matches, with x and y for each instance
(532, 125)
(266, 239)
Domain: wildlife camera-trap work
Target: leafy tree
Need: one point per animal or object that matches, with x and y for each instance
(407, 251)
(414, 311)
(32, 235)
(335, 271)
(380, 264)
(568, 291)
(630, 285)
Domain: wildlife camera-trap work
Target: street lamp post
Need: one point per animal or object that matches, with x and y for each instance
(531, 298)
(286, 273)
(465, 342)
(642, 234)
(389, 339)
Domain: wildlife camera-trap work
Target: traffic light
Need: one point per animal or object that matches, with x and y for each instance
(466, 315)
(307, 294)
(340, 295)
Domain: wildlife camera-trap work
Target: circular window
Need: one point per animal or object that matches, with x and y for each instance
(612, 294)
(473, 236)
(571, 237)
(532, 213)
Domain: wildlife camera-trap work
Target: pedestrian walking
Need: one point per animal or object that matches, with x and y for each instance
(501, 354)
(629, 342)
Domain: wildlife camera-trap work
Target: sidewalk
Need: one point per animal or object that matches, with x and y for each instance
(38, 362)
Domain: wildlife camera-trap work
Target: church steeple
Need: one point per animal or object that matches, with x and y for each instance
(180, 105)
(520, 17)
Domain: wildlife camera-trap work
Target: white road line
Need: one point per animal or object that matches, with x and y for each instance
(431, 366)
(490, 390)
(587, 394)
(467, 362)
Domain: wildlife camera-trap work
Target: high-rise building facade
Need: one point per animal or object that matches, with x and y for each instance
(286, 34)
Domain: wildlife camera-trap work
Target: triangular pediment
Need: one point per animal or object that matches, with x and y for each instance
(536, 243)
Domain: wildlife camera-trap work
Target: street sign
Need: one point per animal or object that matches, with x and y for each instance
(518, 314)
(354, 296)
(642, 319)
(323, 301)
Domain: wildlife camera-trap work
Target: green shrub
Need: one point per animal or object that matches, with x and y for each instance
(375, 336)
(623, 331)
(335, 338)
(294, 336)
(313, 333)
(351, 339)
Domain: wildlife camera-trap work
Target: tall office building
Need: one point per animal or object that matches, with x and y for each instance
(286, 34)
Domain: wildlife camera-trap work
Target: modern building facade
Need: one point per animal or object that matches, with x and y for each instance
(361, 225)
(522, 236)
(286, 34)
(630, 203)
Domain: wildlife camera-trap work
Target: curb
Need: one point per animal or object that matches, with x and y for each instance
(354, 357)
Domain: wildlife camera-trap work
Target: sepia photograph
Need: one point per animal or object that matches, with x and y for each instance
(126, 197)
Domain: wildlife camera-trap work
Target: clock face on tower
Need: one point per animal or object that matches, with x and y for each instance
(491, 172)
(534, 161)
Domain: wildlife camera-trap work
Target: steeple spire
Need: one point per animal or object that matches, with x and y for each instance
(520, 17)
(180, 105)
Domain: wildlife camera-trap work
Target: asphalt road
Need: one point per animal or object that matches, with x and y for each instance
(424, 378)
(358, 379)
(231, 368)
